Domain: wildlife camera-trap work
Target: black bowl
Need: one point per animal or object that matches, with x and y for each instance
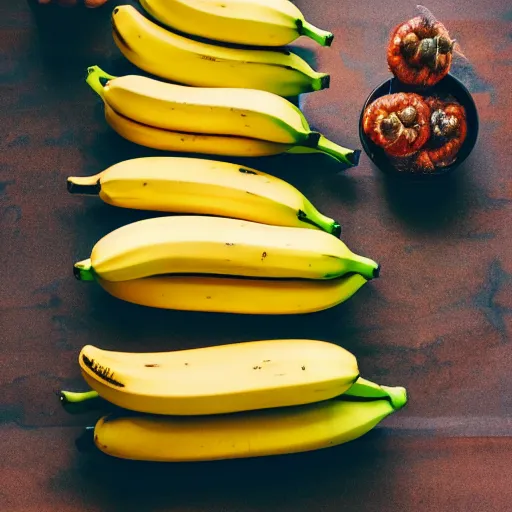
(448, 86)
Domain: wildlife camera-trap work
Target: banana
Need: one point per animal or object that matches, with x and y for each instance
(236, 295)
(179, 59)
(190, 142)
(211, 120)
(240, 435)
(206, 187)
(246, 22)
(220, 246)
(216, 111)
(220, 379)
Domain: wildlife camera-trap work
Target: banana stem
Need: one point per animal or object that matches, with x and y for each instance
(73, 397)
(365, 266)
(312, 216)
(322, 37)
(344, 155)
(336, 229)
(321, 81)
(83, 270)
(96, 78)
(88, 185)
(79, 403)
(363, 388)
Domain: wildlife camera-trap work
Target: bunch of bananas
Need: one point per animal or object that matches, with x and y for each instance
(260, 23)
(220, 264)
(237, 104)
(246, 399)
(216, 121)
(238, 241)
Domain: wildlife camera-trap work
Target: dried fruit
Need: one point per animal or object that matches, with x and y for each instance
(420, 50)
(449, 130)
(399, 123)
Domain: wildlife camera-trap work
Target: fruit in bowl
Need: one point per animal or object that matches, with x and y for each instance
(420, 50)
(417, 133)
(422, 122)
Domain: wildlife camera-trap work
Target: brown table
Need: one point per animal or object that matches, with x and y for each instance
(439, 321)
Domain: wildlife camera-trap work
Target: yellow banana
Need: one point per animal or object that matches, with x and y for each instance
(166, 140)
(186, 61)
(220, 246)
(207, 187)
(236, 295)
(241, 435)
(206, 119)
(248, 22)
(215, 111)
(220, 379)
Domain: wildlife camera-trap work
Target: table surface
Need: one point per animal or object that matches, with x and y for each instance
(438, 321)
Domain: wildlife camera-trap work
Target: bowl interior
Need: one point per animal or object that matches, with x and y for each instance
(449, 86)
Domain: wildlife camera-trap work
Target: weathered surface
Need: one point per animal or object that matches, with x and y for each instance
(439, 321)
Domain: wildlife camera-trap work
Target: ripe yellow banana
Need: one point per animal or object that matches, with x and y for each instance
(220, 246)
(220, 379)
(242, 435)
(166, 140)
(179, 59)
(246, 22)
(207, 187)
(239, 122)
(236, 295)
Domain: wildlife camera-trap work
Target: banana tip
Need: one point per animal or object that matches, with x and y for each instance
(376, 272)
(325, 81)
(328, 40)
(397, 395)
(336, 230)
(77, 273)
(400, 398)
(354, 157)
(83, 270)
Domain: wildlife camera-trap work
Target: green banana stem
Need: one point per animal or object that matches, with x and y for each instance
(322, 37)
(344, 155)
(312, 216)
(87, 185)
(365, 266)
(363, 388)
(79, 403)
(326, 147)
(96, 78)
(321, 81)
(336, 229)
(73, 397)
(83, 270)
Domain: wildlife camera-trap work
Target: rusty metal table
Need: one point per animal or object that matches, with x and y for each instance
(438, 321)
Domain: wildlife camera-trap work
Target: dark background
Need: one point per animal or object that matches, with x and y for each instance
(439, 321)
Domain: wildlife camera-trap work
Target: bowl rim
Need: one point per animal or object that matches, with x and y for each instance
(375, 153)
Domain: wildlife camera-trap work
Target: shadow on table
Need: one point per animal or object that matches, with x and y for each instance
(260, 482)
(429, 206)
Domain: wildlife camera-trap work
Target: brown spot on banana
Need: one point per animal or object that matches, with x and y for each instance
(103, 372)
